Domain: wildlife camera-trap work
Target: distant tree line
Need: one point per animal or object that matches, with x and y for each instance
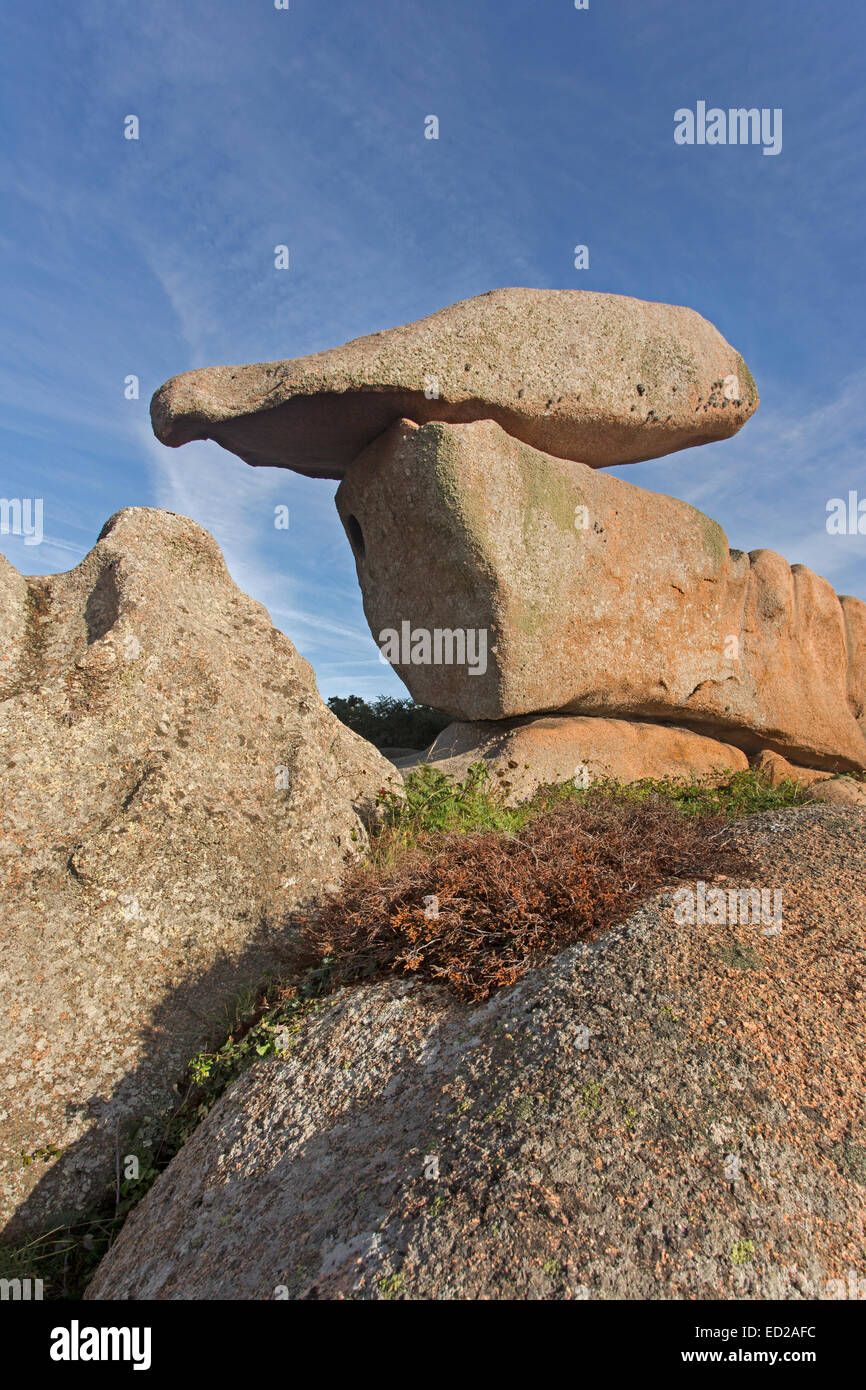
(389, 722)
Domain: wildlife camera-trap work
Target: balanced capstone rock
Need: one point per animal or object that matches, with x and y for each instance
(601, 378)
(468, 445)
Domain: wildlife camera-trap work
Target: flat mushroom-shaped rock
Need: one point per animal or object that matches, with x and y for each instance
(598, 378)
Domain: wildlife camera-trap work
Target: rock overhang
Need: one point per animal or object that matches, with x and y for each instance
(597, 378)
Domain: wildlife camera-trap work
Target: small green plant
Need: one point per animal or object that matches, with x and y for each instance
(742, 1252)
(200, 1068)
(741, 957)
(40, 1156)
(390, 1287)
(590, 1096)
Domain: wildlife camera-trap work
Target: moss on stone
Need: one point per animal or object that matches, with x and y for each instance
(745, 376)
(716, 540)
(529, 620)
(547, 493)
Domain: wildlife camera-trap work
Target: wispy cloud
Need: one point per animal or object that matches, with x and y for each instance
(769, 486)
(305, 127)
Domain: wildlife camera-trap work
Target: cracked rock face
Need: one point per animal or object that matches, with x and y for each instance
(172, 784)
(601, 378)
(580, 593)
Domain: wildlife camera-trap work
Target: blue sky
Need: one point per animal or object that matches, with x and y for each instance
(305, 127)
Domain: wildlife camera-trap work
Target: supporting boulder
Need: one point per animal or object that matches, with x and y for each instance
(577, 592)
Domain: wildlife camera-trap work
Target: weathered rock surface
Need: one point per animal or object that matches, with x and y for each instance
(593, 596)
(669, 1112)
(526, 754)
(837, 791)
(840, 791)
(172, 783)
(854, 613)
(601, 378)
(777, 770)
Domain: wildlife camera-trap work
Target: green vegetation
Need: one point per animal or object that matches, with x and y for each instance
(741, 957)
(436, 805)
(590, 1096)
(389, 722)
(390, 1286)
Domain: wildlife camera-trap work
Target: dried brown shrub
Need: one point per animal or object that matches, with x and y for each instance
(504, 902)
